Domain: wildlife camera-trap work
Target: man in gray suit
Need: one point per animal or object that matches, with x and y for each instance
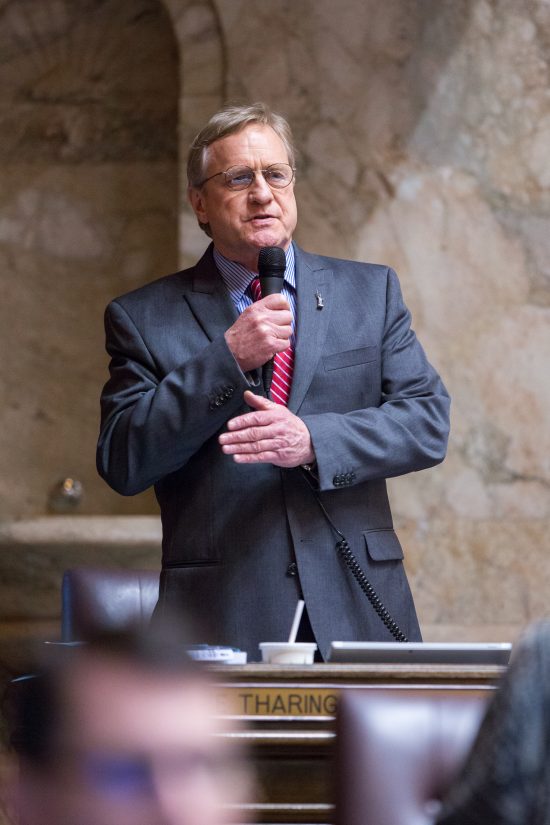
(255, 493)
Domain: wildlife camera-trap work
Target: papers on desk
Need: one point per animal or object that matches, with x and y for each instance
(217, 654)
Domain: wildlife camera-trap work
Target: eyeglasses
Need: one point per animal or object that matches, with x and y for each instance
(277, 176)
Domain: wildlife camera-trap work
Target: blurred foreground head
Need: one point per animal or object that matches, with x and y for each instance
(123, 731)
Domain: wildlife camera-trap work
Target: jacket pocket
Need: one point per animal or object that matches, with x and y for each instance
(383, 545)
(350, 358)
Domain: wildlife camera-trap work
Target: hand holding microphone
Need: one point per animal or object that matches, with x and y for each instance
(264, 328)
(270, 432)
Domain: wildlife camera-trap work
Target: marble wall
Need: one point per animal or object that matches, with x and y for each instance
(88, 209)
(424, 129)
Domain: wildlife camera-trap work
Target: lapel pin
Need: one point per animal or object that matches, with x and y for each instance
(320, 302)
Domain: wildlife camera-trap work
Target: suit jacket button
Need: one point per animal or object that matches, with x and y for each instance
(292, 569)
(337, 480)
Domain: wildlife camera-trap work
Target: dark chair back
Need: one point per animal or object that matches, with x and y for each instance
(94, 599)
(400, 749)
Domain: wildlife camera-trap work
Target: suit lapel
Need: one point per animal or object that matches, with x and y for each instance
(209, 300)
(312, 279)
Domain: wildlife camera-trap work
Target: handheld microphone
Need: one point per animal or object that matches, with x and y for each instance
(271, 271)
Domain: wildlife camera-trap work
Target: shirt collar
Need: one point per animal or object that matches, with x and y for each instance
(237, 277)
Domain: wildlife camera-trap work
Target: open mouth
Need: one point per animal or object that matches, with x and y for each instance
(261, 218)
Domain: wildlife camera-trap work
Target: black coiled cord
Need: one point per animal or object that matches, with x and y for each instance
(346, 553)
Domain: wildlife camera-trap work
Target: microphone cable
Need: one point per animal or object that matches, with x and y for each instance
(347, 555)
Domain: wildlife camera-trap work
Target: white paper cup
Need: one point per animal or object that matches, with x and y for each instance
(288, 653)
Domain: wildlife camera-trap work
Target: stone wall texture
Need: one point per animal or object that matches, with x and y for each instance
(88, 209)
(424, 130)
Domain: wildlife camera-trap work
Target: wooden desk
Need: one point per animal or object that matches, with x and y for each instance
(289, 714)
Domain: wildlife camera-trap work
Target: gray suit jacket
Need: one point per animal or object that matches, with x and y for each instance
(372, 402)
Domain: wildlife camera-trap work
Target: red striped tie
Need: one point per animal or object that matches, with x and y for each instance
(283, 362)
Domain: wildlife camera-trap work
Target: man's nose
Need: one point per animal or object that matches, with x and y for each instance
(260, 190)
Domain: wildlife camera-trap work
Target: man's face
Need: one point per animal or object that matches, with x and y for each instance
(136, 748)
(243, 222)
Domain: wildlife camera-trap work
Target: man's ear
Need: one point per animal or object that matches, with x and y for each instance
(198, 203)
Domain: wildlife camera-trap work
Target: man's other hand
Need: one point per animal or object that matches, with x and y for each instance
(263, 329)
(270, 434)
